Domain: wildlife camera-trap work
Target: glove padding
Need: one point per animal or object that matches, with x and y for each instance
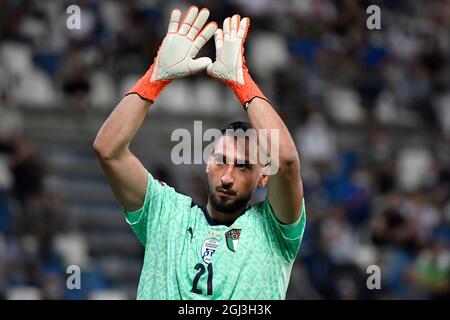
(230, 66)
(175, 58)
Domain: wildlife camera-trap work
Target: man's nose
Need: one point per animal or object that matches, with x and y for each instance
(227, 178)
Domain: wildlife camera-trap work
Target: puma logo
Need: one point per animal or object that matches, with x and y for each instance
(191, 232)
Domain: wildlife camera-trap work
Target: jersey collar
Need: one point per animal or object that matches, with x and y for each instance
(211, 220)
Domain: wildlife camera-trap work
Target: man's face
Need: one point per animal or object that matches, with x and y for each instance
(233, 174)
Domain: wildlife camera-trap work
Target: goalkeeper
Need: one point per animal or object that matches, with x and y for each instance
(225, 249)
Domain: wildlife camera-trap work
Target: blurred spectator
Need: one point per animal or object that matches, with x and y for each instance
(316, 141)
(431, 270)
(392, 227)
(75, 84)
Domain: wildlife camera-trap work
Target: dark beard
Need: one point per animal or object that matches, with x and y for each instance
(239, 204)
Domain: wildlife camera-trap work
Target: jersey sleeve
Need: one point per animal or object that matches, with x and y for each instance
(150, 217)
(285, 239)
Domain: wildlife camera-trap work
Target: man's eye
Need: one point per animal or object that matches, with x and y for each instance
(242, 166)
(219, 160)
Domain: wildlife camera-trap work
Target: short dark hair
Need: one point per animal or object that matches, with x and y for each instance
(243, 125)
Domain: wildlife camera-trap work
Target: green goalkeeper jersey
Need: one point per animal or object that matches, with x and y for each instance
(187, 256)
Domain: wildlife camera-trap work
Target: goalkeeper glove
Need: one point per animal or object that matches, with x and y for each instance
(175, 58)
(230, 66)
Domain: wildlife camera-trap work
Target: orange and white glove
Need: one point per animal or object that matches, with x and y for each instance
(230, 66)
(175, 58)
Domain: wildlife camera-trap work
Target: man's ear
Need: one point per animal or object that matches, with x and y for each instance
(207, 164)
(265, 170)
(264, 178)
(210, 159)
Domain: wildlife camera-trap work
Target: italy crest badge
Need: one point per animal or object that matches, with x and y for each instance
(232, 239)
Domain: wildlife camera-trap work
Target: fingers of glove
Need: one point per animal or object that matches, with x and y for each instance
(199, 64)
(218, 38)
(198, 23)
(243, 28)
(209, 69)
(235, 20)
(226, 28)
(174, 21)
(188, 20)
(205, 35)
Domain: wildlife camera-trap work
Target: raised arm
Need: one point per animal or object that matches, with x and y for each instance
(125, 173)
(175, 59)
(285, 191)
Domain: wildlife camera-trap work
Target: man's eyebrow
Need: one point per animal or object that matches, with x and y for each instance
(219, 155)
(240, 161)
(236, 161)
